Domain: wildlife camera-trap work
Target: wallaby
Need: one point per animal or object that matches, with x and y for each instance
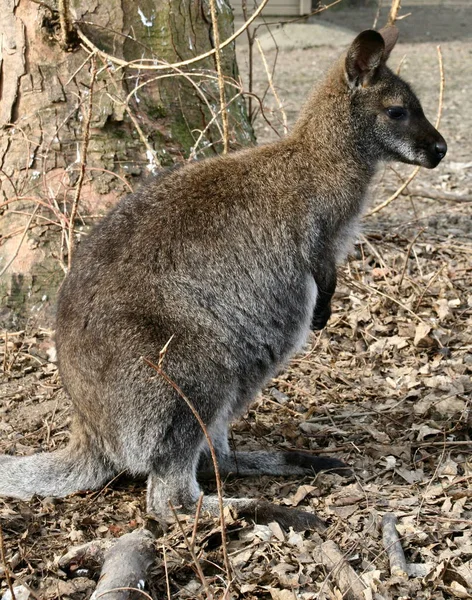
(229, 261)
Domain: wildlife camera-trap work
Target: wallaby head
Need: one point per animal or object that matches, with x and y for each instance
(377, 109)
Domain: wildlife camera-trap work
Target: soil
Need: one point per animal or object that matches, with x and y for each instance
(386, 386)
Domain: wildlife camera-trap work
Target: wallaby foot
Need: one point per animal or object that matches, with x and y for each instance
(271, 463)
(263, 512)
(181, 491)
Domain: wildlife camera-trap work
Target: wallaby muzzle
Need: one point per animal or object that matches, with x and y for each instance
(434, 150)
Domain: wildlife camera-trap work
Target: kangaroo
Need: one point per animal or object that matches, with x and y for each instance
(228, 263)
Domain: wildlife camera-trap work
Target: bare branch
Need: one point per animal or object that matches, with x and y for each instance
(161, 66)
(221, 83)
(83, 162)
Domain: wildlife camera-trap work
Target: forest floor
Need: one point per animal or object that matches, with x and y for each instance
(385, 387)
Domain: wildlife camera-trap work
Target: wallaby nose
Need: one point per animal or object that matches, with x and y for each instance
(441, 149)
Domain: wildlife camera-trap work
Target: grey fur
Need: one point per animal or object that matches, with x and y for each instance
(232, 259)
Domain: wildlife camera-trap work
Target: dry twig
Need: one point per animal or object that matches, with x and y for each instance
(25, 232)
(67, 31)
(393, 16)
(271, 84)
(221, 82)
(219, 487)
(5, 565)
(162, 64)
(83, 162)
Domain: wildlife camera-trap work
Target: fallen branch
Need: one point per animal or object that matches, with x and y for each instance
(350, 584)
(219, 70)
(5, 566)
(393, 547)
(125, 567)
(437, 195)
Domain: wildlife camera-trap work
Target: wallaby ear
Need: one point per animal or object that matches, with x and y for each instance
(390, 37)
(363, 58)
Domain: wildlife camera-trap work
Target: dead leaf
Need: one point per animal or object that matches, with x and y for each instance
(302, 493)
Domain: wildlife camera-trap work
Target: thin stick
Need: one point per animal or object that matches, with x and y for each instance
(197, 518)
(377, 14)
(182, 63)
(410, 246)
(5, 353)
(25, 231)
(191, 549)
(392, 17)
(271, 84)
(5, 566)
(83, 162)
(415, 171)
(393, 547)
(67, 31)
(221, 82)
(219, 487)
(441, 87)
(166, 571)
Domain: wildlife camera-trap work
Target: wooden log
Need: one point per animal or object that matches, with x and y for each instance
(393, 547)
(125, 567)
(348, 581)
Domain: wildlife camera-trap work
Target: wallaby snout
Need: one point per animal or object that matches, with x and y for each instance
(434, 150)
(410, 137)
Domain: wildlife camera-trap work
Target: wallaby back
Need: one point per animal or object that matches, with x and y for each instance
(227, 262)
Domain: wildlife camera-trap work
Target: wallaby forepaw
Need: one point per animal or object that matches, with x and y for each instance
(320, 318)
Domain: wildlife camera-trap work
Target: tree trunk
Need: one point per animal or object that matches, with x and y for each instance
(78, 130)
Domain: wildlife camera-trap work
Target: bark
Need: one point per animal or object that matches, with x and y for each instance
(45, 94)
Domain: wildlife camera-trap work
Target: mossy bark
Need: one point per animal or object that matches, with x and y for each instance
(43, 116)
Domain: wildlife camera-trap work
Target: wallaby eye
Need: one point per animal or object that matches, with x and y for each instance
(396, 112)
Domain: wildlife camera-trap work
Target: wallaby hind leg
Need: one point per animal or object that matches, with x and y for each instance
(178, 489)
(264, 463)
(259, 463)
(181, 490)
(174, 482)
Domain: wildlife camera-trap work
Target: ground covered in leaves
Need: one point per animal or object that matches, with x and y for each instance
(385, 387)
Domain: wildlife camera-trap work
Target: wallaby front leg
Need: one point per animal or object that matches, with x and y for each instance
(325, 279)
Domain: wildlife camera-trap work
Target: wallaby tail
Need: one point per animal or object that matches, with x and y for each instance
(77, 467)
